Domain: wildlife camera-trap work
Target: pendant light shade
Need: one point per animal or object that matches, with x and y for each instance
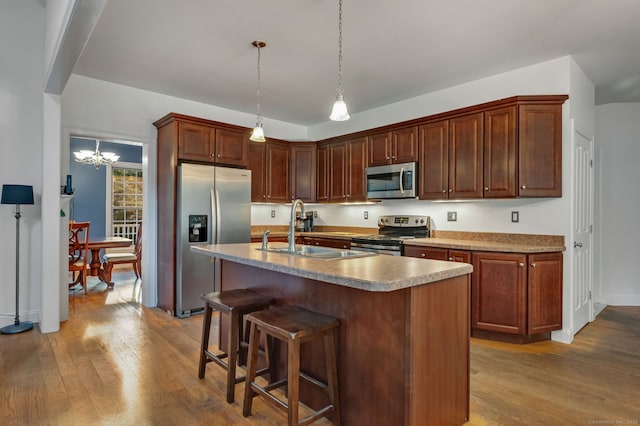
(257, 134)
(339, 111)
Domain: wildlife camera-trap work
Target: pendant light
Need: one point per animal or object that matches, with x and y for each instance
(257, 134)
(339, 111)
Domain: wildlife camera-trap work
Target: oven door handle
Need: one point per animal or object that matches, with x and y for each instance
(402, 180)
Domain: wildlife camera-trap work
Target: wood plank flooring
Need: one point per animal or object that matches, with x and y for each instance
(117, 363)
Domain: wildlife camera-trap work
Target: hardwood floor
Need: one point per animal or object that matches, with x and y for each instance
(115, 362)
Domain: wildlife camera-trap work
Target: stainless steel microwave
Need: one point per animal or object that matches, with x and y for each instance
(392, 181)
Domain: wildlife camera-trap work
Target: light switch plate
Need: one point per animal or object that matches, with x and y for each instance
(273, 213)
(366, 214)
(515, 217)
(452, 216)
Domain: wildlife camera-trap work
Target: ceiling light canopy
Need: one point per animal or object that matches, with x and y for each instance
(96, 157)
(339, 111)
(257, 134)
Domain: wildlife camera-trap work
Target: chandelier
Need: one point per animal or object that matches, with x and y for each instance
(96, 157)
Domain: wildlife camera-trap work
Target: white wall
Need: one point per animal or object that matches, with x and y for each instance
(618, 145)
(21, 50)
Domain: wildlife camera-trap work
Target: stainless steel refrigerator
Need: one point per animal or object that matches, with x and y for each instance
(214, 207)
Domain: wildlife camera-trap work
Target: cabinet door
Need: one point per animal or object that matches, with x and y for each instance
(498, 292)
(277, 172)
(500, 153)
(322, 174)
(540, 150)
(465, 156)
(405, 145)
(460, 256)
(380, 149)
(425, 252)
(433, 164)
(231, 147)
(195, 142)
(356, 164)
(332, 242)
(303, 172)
(544, 301)
(337, 172)
(256, 163)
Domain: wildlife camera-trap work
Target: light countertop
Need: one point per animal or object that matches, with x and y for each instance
(379, 273)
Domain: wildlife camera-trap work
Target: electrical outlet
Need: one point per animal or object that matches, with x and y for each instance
(366, 214)
(452, 216)
(273, 213)
(315, 214)
(515, 217)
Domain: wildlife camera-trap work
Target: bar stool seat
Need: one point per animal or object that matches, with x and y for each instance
(236, 304)
(293, 325)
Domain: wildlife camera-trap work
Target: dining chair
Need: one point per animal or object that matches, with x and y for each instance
(79, 253)
(134, 258)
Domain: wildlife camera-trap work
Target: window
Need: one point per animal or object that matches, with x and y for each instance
(124, 209)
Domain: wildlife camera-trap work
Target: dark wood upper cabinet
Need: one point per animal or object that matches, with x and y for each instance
(466, 156)
(269, 165)
(500, 153)
(540, 150)
(397, 146)
(346, 163)
(356, 164)
(206, 143)
(433, 166)
(303, 171)
(231, 147)
(322, 173)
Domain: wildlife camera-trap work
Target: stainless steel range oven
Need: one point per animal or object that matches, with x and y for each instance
(392, 231)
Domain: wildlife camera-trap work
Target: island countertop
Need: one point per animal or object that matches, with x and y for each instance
(377, 273)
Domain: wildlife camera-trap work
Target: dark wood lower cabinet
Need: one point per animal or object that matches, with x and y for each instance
(516, 297)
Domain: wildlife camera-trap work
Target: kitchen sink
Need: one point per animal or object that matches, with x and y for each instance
(325, 253)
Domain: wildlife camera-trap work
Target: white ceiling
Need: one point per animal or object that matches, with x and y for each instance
(393, 50)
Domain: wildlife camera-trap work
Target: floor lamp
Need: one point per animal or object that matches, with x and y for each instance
(17, 194)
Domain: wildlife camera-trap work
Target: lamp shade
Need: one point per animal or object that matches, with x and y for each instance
(17, 194)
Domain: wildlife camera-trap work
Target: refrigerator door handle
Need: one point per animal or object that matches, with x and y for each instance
(215, 208)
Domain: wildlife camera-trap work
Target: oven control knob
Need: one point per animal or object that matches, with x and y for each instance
(421, 220)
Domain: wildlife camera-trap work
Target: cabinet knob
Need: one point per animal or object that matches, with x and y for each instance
(213, 155)
(533, 265)
(523, 187)
(521, 264)
(444, 191)
(450, 190)
(219, 155)
(451, 259)
(393, 156)
(486, 188)
(423, 255)
(387, 158)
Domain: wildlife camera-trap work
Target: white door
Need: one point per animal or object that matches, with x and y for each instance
(582, 245)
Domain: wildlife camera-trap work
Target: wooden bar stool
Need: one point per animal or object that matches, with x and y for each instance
(293, 325)
(236, 304)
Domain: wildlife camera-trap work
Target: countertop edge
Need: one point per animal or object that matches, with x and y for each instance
(286, 263)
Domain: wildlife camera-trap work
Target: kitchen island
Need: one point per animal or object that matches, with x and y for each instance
(403, 347)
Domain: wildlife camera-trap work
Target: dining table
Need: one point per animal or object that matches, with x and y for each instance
(98, 244)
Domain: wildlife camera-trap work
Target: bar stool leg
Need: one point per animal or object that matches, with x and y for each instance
(252, 361)
(206, 328)
(332, 375)
(293, 380)
(232, 347)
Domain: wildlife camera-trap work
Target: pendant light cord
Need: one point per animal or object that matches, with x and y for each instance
(340, 90)
(259, 116)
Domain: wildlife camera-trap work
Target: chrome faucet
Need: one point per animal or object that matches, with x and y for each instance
(292, 224)
(265, 239)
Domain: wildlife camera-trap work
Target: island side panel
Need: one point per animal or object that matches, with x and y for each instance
(375, 344)
(439, 347)
(372, 350)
